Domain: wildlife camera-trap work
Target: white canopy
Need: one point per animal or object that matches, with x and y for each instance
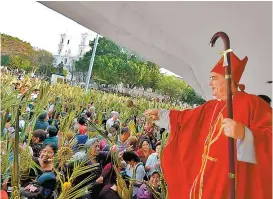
(176, 35)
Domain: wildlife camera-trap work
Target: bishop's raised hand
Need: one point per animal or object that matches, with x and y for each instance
(152, 114)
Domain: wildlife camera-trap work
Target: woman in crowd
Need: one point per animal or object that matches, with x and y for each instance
(96, 158)
(153, 161)
(145, 150)
(144, 191)
(42, 182)
(132, 144)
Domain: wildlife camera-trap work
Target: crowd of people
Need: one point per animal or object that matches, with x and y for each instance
(114, 158)
(138, 152)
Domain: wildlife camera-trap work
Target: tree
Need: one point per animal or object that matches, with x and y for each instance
(21, 55)
(106, 47)
(20, 62)
(108, 57)
(82, 64)
(131, 72)
(4, 60)
(191, 97)
(171, 86)
(44, 60)
(107, 69)
(151, 77)
(14, 46)
(115, 64)
(178, 90)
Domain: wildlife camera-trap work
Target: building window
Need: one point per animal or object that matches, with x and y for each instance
(68, 41)
(60, 50)
(65, 60)
(62, 41)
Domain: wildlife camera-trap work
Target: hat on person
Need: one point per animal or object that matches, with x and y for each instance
(237, 68)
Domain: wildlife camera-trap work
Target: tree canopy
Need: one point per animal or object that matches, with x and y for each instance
(115, 64)
(16, 53)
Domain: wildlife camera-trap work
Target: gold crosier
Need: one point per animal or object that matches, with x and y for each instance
(205, 156)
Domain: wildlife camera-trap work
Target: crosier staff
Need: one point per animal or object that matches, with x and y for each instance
(227, 65)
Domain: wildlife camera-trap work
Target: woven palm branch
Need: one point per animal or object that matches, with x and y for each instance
(79, 168)
(100, 119)
(123, 191)
(132, 128)
(92, 134)
(65, 153)
(26, 167)
(4, 118)
(4, 159)
(163, 184)
(66, 121)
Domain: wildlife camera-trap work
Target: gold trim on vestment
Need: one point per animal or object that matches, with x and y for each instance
(205, 156)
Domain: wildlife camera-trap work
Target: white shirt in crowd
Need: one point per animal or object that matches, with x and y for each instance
(110, 122)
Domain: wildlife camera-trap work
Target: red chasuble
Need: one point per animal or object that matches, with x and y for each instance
(195, 159)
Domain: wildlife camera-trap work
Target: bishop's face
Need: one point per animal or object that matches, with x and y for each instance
(218, 85)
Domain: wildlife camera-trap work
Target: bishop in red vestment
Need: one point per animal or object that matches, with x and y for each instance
(195, 158)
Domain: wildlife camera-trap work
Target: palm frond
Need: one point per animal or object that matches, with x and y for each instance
(80, 189)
